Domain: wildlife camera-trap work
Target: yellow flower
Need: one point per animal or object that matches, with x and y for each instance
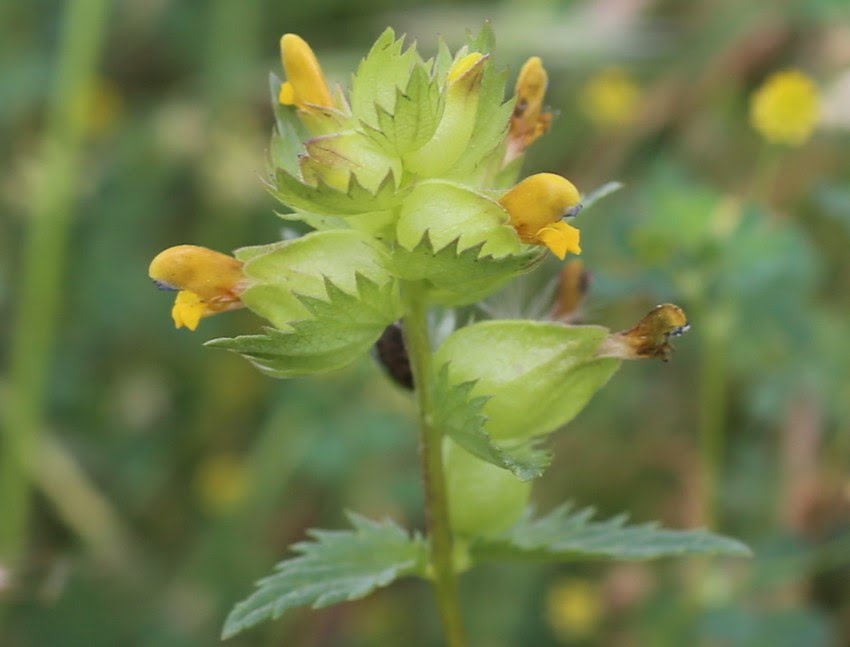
(574, 609)
(305, 84)
(537, 206)
(786, 108)
(610, 98)
(529, 121)
(209, 282)
(462, 66)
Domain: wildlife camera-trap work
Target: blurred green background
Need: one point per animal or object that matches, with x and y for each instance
(167, 477)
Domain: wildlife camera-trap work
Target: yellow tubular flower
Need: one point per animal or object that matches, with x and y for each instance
(529, 121)
(305, 84)
(786, 108)
(209, 282)
(462, 66)
(537, 206)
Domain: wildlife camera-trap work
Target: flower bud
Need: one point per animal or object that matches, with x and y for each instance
(305, 84)
(529, 121)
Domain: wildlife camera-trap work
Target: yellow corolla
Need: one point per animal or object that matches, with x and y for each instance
(209, 282)
(537, 207)
(305, 84)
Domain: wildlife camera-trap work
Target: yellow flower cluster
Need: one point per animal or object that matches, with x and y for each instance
(786, 108)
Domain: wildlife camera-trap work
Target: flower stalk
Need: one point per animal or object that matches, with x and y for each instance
(418, 343)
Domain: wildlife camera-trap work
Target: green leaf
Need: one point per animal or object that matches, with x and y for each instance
(279, 271)
(335, 331)
(326, 200)
(460, 416)
(539, 375)
(457, 278)
(384, 71)
(338, 157)
(491, 123)
(451, 213)
(337, 566)
(288, 135)
(484, 41)
(566, 535)
(415, 117)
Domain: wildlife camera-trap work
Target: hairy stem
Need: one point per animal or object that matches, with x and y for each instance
(436, 501)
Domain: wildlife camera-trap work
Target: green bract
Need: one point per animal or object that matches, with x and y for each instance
(538, 376)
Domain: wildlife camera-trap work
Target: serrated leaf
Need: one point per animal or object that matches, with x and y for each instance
(484, 41)
(460, 416)
(384, 70)
(457, 278)
(336, 566)
(539, 375)
(336, 331)
(415, 116)
(491, 123)
(326, 200)
(449, 213)
(340, 156)
(566, 534)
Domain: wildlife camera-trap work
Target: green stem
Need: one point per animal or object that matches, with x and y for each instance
(43, 261)
(431, 448)
(713, 406)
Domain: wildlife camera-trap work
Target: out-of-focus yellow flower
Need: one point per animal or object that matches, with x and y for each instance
(529, 121)
(574, 608)
(209, 282)
(537, 206)
(786, 108)
(305, 84)
(610, 99)
(222, 482)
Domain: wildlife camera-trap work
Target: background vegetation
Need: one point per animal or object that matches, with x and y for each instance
(166, 477)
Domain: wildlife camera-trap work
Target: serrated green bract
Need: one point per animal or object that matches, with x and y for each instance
(457, 123)
(483, 499)
(454, 278)
(385, 70)
(333, 333)
(460, 417)
(337, 566)
(415, 118)
(450, 212)
(327, 200)
(566, 534)
(538, 375)
(335, 159)
(281, 272)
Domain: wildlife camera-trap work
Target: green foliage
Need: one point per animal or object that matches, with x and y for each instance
(340, 330)
(567, 534)
(328, 200)
(538, 375)
(454, 277)
(415, 116)
(384, 71)
(338, 566)
(460, 417)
